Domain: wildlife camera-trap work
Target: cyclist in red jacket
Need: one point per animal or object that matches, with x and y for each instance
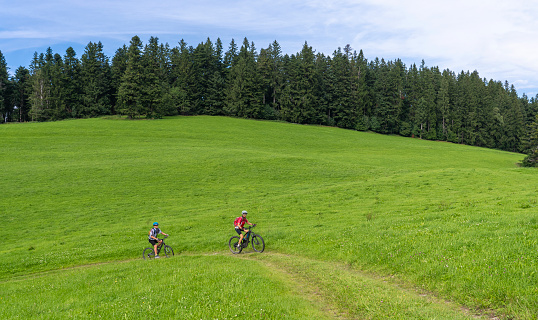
(239, 224)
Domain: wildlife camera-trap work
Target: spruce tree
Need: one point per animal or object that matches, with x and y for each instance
(156, 69)
(95, 82)
(299, 96)
(531, 160)
(20, 92)
(182, 78)
(4, 83)
(214, 101)
(244, 93)
(39, 88)
(130, 91)
(72, 87)
(117, 70)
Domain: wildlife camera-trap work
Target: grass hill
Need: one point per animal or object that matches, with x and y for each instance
(356, 225)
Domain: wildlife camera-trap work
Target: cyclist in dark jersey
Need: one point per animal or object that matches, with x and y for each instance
(239, 224)
(152, 238)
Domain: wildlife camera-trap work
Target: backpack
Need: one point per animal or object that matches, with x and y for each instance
(237, 221)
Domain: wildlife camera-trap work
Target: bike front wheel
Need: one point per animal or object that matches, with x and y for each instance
(168, 252)
(233, 245)
(148, 254)
(257, 243)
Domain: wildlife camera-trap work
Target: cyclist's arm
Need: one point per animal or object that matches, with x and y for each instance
(153, 237)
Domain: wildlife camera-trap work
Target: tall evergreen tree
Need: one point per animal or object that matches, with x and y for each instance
(531, 160)
(5, 107)
(95, 82)
(342, 105)
(270, 67)
(443, 104)
(38, 89)
(244, 93)
(299, 97)
(156, 65)
(182, 78)
(117, 70)
(20, 82)
(72, 87)
(58, 81)
(130, 100)
(364, 91)
(215, 100)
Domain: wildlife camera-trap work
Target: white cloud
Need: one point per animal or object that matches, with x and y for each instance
(497, 38)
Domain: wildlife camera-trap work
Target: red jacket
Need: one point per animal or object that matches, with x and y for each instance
(240, 222)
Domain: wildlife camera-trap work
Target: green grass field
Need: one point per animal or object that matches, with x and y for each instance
(357, 225)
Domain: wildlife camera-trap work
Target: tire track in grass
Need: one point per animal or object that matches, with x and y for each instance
(338, 290)
(307, 291)
(346, 293)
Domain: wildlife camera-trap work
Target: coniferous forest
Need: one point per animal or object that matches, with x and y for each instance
(344, 90)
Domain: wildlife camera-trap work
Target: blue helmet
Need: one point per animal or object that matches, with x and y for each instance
(155, 223)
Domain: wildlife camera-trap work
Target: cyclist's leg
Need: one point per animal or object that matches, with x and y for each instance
(154, 244)
(240, 236)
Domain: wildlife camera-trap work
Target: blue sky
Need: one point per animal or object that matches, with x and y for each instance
(497, 38)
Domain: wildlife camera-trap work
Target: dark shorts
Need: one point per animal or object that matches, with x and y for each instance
(153, 242)
(238, 231)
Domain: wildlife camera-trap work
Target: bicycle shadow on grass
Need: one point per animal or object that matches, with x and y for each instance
(251, 251)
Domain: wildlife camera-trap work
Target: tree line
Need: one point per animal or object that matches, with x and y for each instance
(343, 89)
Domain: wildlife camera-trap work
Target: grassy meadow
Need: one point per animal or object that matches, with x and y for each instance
(357, 225)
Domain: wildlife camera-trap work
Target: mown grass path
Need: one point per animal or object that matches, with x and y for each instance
(335, 290)
(344, 292)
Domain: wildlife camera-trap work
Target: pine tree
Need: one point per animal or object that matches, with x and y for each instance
(182, 78)
(38, 90)
(5, 107)
(270, 66)
(443, 104)
(244, 93)
(117, 70)
(531, 160)
(20, 92)
(299, 97)
(214, 103)
(203, 68)
(343, 110)
(130, 90)
(57, 80)
(388, 87)
(95, 82)
(156, 70)
(72, 87)
(364, 91)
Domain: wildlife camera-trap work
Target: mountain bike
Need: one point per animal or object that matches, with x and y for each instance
(257, 242)
(149, 253)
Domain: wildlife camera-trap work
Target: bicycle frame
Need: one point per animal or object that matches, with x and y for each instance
(161, 245)
(247, 236)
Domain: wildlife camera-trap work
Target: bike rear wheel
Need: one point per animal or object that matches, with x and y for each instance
(233, 245)
(168, 252)
(148, 254)
(257, 243)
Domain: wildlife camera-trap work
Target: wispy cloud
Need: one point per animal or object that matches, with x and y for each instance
(497, 38)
